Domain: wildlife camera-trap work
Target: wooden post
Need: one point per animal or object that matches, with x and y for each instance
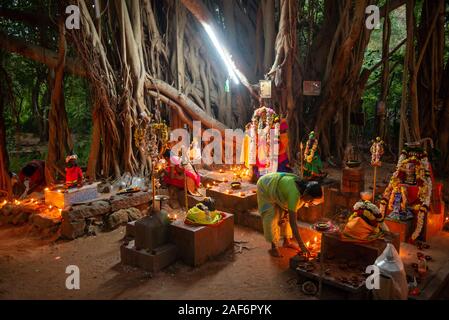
(185, 191)
(153, 186)
(301, 161)
(374, 184)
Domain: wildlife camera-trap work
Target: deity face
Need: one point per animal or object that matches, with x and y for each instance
(410, 174)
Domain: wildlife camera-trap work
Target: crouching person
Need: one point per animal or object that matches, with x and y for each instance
(279, 197)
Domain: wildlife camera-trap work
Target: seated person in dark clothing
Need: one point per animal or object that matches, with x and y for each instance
(31, 178)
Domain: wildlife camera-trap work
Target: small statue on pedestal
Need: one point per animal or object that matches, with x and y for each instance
(74, 174)
(413, 182)
(312, 162)
(377, 151)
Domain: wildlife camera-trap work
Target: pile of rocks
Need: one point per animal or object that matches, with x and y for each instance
(104, 214)
(43, 220)
(77, 220)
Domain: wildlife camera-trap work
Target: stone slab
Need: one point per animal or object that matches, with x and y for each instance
(403, 228)
(157, 259)
(131, 229)
(151, 233)
(129, 200)
(63, 199)
(234, 202)
(332, 247)
(196, 245)
(87, 211)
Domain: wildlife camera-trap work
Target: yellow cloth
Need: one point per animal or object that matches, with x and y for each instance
(198, 216)
(358, 230)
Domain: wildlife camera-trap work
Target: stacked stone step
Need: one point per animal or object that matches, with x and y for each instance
(150, 250)
(198, 244)
(113, 212)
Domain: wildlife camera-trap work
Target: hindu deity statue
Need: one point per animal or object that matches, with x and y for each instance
(261, 142)
(312, 162)
(365, 224)
(377, 151)
(409, 192)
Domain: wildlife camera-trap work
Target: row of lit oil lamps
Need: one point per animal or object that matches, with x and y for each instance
(227, 191)
(238, 173)
(29, 202)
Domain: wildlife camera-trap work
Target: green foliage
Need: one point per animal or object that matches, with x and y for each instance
(373, 55)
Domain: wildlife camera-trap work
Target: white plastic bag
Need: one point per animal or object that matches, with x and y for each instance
(394, 284)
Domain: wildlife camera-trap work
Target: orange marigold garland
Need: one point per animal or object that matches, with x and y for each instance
(417, 161)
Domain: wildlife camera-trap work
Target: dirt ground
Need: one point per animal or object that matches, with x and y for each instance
(32, 269)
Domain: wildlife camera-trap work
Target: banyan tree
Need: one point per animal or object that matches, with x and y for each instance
(152, 60)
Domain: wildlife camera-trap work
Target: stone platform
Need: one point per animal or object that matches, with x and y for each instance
(229, 200)
(149, 260)
(196, 245)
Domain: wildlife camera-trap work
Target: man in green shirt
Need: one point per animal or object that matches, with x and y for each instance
(279, 193)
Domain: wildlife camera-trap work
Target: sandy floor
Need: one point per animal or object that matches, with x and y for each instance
(29, 269)
(34, 269)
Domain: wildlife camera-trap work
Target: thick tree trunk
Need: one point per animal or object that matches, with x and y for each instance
(5, 181)
(60, 142)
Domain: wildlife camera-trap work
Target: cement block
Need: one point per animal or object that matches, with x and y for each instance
(312, 214)
(403, 228)
(254, 221)
(131, 229)
(332, 247)
(198, 244)
(157, 259)
(150, 232)
(128, 254)
(233, 202)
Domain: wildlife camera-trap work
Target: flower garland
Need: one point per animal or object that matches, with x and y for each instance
(423, 180)
(310, 151)
(369, 212)
(377, 151)
(263, 144)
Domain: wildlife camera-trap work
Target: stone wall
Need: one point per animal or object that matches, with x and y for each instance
(106, 214)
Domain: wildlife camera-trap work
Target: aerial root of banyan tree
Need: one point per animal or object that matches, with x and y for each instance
(153, 58)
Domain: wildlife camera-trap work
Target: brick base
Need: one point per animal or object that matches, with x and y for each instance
(198, 244)
(153, 261)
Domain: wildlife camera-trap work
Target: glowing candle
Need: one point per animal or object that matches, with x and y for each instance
(46, 189)
(315, 239)
(308, 244)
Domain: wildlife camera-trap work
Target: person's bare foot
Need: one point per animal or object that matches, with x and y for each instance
(290, 245)
(274, 252)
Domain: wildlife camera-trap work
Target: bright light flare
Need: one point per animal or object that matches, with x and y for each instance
(224, 54)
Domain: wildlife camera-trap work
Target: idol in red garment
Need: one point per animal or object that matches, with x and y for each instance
(73, 173)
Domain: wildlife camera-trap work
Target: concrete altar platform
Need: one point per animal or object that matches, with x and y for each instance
(230, 200)
(196, 245)
(149, 260)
